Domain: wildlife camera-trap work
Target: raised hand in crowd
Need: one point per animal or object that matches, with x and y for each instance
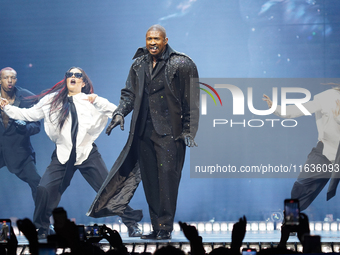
(191, 233)
(12, 244)
(29, 230)
(238, 234)
(115, 240)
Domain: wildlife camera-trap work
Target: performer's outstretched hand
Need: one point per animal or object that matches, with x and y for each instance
(336, 112)
(91, 98)
(188, 139)
(20, 125)
(117, 120)
(3, 103)
(267, 100)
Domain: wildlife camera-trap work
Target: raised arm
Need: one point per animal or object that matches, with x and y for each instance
(101, 104)
(35, 113)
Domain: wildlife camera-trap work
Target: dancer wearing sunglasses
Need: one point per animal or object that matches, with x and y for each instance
(73, 117)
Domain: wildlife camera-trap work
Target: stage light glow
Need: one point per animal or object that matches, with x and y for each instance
(123, 228)
(177, 228)
(217, 245)
(224, 226)
(270, 226)
(139, 248)
(151, 248)
(16, 231)
(116, 227)
(146, 227)
(326, 248)
(262, 226)
(105, 247)
(186, 248)
(109, 225)
(278, 226)
(318, 226)
(336, 247)
(326, 226)
(231, 225)
(254, 226)
(208, 248)
(334, 226)
(299, 248)
(311, 226)
(216, 227)
(200, 227)
(208, 227)
(129, 247)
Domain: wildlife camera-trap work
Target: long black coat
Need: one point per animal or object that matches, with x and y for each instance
(15, 146)
(182, 96)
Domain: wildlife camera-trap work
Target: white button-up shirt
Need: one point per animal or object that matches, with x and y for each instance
(92, 119)
(328, 126)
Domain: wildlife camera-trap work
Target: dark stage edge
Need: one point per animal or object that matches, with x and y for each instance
(254, 239)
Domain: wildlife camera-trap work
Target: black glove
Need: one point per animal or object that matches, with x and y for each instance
(188, 139)
(117, 120)
(20, 125)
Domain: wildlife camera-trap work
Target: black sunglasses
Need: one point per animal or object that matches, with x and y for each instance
(77, 75)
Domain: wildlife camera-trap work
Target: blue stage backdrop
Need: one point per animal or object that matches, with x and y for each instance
(226, 39)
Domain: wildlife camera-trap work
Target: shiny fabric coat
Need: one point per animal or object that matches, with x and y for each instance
(182, 95)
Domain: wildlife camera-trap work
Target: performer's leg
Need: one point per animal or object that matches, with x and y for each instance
(149, 172)
(170, 158)
(93, 169)
(95, 172)
(309, 184)
(30, 175)
(48, 194)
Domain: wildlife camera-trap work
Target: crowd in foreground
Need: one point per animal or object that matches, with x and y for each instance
(67, 236)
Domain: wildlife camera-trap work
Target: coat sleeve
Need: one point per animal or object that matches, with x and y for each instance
(104, 106)
(127, 98)
(33, 128)
(188, 79)
(35, 113)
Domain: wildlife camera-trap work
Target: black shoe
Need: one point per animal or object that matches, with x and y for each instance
(134, 231)
(163, 235)
(151, 235)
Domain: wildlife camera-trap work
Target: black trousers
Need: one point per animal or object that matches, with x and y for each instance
(161, 161)
(93, 169)
(309, 184)
(29, 174)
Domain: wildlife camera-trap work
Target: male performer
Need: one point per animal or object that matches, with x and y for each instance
(165, 104)
(4, 231)
(16, 150)
(74, 118)
(323, 161)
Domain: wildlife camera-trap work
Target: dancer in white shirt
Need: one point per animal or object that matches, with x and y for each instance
(90, 119)
(323, 161)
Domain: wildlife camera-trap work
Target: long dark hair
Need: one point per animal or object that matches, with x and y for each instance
(59, 102)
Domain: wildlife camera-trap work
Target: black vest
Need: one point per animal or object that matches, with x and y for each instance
(154, 104)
